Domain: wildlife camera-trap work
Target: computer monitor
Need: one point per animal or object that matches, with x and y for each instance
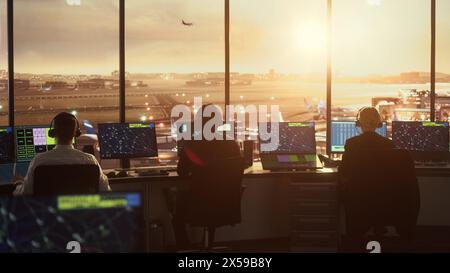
(6, 145)
(294, 138)
(32, 140)
(127, 140)
(421, 136)
(99, 223)
(343, 130)
(8, 171)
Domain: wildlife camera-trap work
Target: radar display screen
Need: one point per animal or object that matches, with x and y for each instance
(127, 140)
(6, 145)
(294, 137)
(421, 136)
(98, 223)
(343, 130)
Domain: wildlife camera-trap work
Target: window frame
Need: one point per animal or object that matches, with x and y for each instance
(122, 62)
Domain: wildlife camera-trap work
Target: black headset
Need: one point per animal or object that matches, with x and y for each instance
(51, 132)
(358, 123)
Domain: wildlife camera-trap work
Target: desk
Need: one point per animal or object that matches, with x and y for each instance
(267, 209)
(271, 199)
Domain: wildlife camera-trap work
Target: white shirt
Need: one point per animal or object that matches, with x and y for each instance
(61, 155)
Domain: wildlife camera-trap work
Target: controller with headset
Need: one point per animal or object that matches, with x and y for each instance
(64, 115)
(358, 123)
(330, 163)
(52, 134)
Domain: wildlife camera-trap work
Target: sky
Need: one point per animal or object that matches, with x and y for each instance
(382, 37)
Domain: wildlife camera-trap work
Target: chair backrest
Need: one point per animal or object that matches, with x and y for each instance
(381, 188)
(66, 179)
(215, 193)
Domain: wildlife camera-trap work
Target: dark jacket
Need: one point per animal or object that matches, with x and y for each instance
(366, 141)
(378, 186)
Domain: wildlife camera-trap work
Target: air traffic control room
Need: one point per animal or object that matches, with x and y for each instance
(224, 126)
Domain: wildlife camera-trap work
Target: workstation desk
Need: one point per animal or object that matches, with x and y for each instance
(303, 206)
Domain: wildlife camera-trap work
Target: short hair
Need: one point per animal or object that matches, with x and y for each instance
(65, 126)
(369, 117)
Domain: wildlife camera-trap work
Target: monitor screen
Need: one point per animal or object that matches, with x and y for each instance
(127, 140)
(294, 138)
(343, 130)
(32, 140)
(99, 223)
(421, 136)
(6, 145)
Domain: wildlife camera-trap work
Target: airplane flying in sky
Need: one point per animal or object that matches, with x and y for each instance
(187, 24)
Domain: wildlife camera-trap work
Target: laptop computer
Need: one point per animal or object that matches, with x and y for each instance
(295, 150)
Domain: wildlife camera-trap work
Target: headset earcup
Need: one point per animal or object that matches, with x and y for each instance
(51, 133)
(78, 132)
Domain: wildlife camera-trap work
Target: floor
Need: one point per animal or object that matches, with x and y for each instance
(427, 240)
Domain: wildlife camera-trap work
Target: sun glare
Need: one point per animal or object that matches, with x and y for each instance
(311, 38)
(374, 2)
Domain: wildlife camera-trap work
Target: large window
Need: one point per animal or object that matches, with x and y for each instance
(278, 57)
(3, 65)
(442, 60)
(66, 58)
(174, 52)
(381, 57)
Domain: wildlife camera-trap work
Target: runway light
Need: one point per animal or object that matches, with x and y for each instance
(183, 94)
(1, 107)
(161, 125)
(176, 95)
(241, 97)
(272, 98)
(207, 95)
(143, 118)
(150, 118)
(188, 102)
(146, 104)
(146, 95)
(148, 108)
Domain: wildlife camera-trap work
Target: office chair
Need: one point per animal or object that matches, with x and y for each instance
(379, 188)
(214, 196)
(66, 179)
